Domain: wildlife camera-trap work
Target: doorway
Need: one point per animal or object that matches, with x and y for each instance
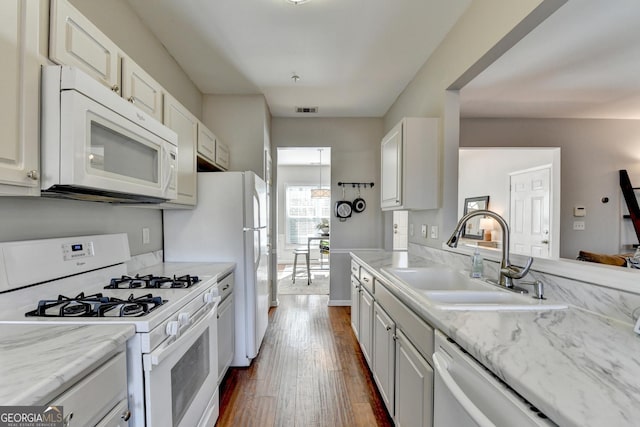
(303, 220)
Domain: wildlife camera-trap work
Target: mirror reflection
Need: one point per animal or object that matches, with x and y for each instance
(579, 95)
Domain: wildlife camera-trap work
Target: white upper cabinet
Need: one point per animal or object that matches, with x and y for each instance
(185, 124)
(211, 149)
(19, 97)
(75, 41)
(141, 89)
(410, 165)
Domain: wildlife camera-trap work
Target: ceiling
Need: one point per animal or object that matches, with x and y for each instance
(353, 57)
(582, 62)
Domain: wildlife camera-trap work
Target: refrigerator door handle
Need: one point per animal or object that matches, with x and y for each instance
(254, 228)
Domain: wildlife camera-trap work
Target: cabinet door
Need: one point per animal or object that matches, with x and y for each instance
(74, 40)
(222, 155)
(366, 324)
(206, 143)
(384, 348)
(391, 168)
(141, 89)
(226, 333)
(414, 386)
(355, 305)
(19, 98)
(185, 124)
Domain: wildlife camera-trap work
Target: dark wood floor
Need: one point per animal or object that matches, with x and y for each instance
(310, 373)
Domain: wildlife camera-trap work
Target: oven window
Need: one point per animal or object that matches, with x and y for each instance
(188, 375)
(122, 155)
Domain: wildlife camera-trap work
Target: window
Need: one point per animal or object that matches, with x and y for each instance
(303, 213)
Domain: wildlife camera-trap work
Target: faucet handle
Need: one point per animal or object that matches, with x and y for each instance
(516, 272)
(538, 288)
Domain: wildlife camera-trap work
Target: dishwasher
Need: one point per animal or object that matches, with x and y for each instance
(467, 394)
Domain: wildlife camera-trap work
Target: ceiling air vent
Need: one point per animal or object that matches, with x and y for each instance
(306, 110)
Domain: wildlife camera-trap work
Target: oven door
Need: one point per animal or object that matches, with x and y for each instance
(181, 376)
(104, 150)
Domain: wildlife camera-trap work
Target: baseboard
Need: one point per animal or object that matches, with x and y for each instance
(339, 302)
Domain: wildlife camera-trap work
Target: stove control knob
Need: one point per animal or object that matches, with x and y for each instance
(173, 328)
(209, 297)
(183, 319)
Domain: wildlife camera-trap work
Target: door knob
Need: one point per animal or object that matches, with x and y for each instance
(545, 241)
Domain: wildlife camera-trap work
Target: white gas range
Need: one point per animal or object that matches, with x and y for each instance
(172, 362)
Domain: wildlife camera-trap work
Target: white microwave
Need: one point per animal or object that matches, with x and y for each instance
(97, 146)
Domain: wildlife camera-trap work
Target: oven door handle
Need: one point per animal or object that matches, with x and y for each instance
(199, 325)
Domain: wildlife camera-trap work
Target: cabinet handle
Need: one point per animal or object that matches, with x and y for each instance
(132, 100)
(388, 328)
(545, 241)
(126, 415)
(115, 88)
(67, 420)
(394, 337)
(33, 174)
(224, 288)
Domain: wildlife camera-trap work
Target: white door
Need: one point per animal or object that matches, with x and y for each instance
(531, 212)
(400, 230)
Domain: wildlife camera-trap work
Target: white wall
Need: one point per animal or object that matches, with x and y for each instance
(485, 31)
(592, 153)
(242, 122)
(355, 157)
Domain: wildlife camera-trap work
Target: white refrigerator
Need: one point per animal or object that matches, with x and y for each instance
(229, 224)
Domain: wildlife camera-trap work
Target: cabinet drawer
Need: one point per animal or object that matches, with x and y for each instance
(93, 397)
(366, 279)
(355, 269)
(225, 286)
(417, 330)
(118, 417)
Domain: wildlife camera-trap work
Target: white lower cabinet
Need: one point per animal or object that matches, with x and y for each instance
(366, 323)
(414, 386)
(397, 345)
(383, 368)
(355, 306)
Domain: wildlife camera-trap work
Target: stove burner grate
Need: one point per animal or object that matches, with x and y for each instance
(96, 306)
(151, 281)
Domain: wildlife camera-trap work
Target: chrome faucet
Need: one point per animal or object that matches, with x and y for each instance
(507, 271)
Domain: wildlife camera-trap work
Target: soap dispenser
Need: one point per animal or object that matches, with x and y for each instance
(477, 265)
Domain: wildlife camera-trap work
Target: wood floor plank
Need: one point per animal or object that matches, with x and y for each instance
(310, 372)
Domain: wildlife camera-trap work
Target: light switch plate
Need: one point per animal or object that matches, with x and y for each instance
(434, 231)
(424, 230)
(579, 225)
(145, 236)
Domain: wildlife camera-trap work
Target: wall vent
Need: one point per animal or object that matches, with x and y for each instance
(306, 110)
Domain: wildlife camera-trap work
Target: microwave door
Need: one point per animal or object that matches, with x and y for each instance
(103, 150)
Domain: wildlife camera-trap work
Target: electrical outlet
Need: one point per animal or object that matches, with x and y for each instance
(145, 236)
(434, 231)
(424, 230)
(579, 225)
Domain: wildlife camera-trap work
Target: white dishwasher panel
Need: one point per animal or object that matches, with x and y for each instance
(466, 394)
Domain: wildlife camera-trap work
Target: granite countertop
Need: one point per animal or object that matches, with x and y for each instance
(579, 368)
(38, 362)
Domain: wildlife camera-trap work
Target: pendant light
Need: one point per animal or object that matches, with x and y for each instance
(320, 193)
